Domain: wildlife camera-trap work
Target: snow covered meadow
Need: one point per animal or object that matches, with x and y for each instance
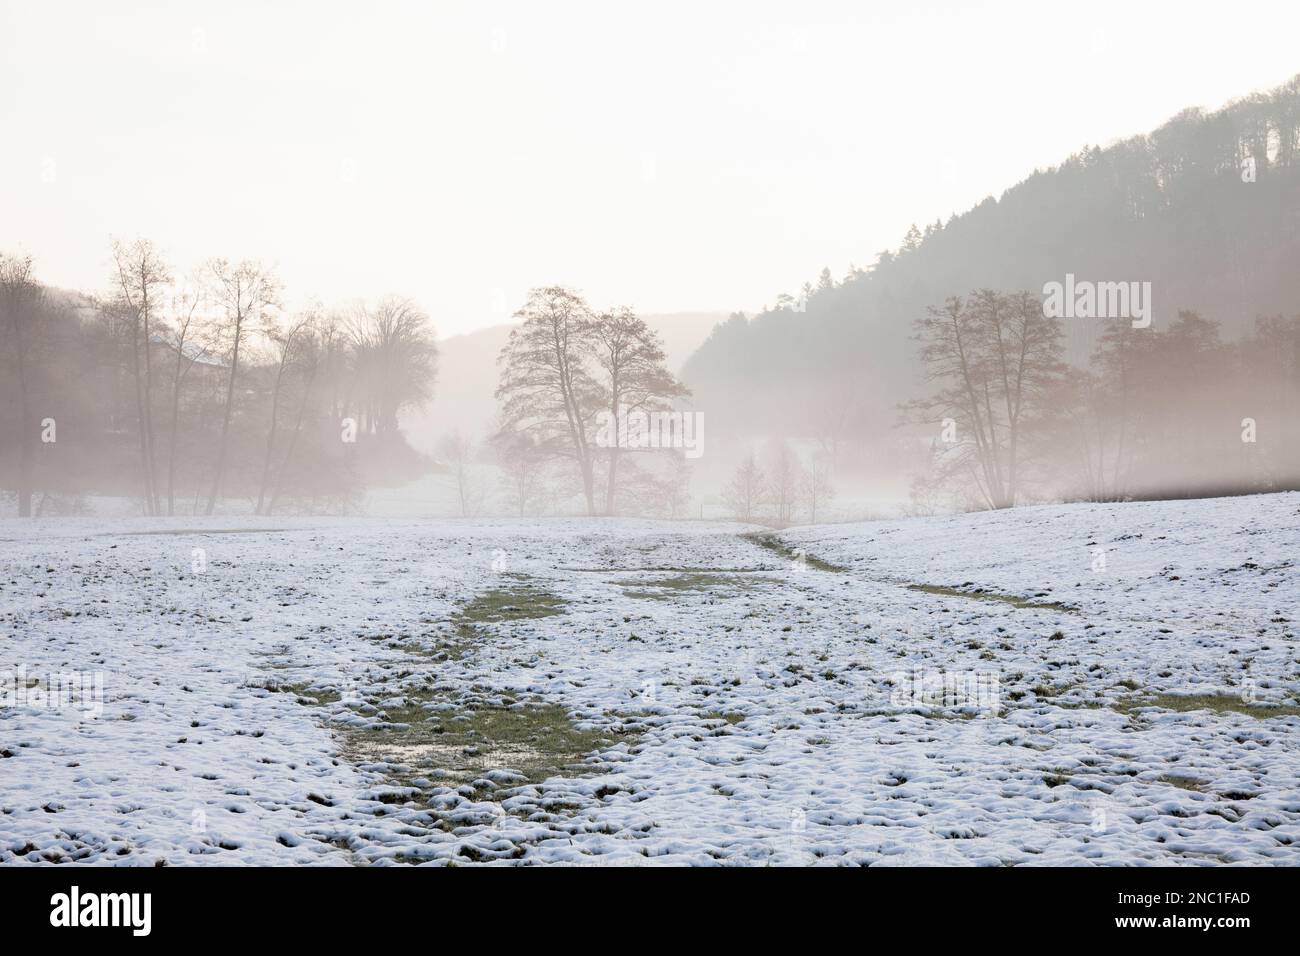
(1086, 684)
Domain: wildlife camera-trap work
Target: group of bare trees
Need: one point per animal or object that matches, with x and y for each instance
(568, 374)
(777, 486)
(220, 391)
(1157, 413)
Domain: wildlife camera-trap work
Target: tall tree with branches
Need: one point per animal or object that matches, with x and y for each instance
(631, 359)
(996, 360)
(246, 293)
(747, 489)
(316, 346)
(285, 343)
(21, 306)
(189, 342)
(140, 278)
(547, 391)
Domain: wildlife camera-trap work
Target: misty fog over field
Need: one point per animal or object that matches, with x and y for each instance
(713, 434)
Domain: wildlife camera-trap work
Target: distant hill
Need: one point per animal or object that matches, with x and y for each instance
(464, 398)
(1206, 208)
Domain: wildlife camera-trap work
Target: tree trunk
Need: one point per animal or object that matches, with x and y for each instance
(171, 441)
(148, 400)
(24, 433)
(225, 421)
(139, 415)
(293, 440)
(270, 435)
(613, 451)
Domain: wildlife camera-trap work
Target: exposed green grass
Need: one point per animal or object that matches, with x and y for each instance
(495, 606)
(991, 596)
(510, 604)
(1183, 783)
(771, 542)
(537, 741)
(774, 544)
(720, 715)
(1215, 703)
(668, 589)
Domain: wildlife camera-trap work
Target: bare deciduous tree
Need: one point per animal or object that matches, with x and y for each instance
(140, 276)
(245, 293)
(631, 359)
(21, 304)
(546, 391)
(285, 343)
(679, 486)
(815, 486)
(188, 338)
(523, 471)
(456, 452)
(317, 344)
(747, 489)
(996, 358)
(784, 474)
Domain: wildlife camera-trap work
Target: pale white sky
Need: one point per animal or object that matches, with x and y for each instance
(670, 156)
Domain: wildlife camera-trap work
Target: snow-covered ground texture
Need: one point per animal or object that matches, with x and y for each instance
(603, 692)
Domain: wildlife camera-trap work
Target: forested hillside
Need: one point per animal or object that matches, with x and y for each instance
(1206, 208)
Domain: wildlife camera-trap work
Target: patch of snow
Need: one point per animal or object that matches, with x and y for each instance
(759, 710)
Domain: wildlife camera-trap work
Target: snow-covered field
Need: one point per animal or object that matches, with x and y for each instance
(634, 692)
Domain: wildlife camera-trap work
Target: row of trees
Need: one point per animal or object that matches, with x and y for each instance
(200, 388)
(1157, 413)
(567, 373)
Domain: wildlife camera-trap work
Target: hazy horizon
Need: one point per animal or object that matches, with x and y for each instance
(702, 159)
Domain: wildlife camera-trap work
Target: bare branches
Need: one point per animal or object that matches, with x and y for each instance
(747, 489)
(633, 375)
(245, 293)
(565, 367)
(140, 276)
(546, 389)
(996, 359)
